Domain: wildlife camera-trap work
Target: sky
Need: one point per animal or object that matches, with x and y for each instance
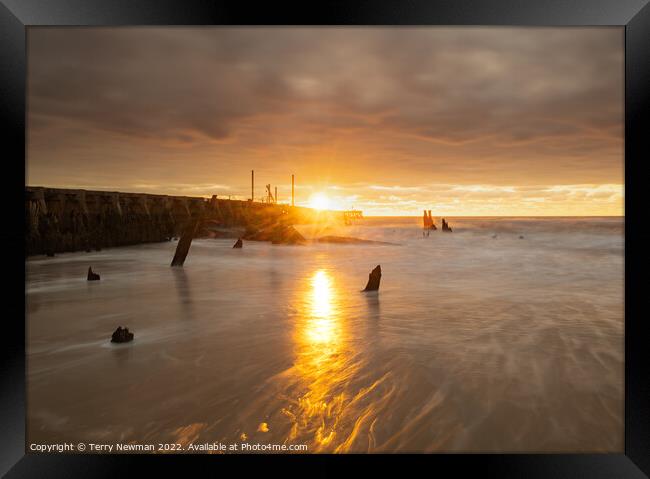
(478, 121)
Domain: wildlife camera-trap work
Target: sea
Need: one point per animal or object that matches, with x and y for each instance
(505, 335)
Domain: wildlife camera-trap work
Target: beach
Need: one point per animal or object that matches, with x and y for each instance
(506, 335)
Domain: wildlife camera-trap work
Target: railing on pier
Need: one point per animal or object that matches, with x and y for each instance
(351, 215)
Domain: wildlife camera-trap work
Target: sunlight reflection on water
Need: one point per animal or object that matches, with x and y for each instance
(321, 362)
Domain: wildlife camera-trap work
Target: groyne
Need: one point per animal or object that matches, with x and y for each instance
(63, 220)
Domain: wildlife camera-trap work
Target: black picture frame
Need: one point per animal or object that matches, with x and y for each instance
(634, 15)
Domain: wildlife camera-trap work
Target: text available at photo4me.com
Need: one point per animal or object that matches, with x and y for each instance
(205, 447)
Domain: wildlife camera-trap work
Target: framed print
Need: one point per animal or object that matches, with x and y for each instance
(375, 234)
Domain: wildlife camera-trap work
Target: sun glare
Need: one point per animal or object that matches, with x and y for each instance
(319, 201)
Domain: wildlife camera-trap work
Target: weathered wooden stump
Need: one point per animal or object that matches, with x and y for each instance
(92, 276)
(121, 335)
(373, 279)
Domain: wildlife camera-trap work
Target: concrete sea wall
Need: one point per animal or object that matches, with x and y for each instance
(61, 220)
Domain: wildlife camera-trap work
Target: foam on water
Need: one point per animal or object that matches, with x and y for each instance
(473, 343)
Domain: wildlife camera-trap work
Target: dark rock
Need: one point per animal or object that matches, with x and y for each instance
(122, 335)
(494, 236)
(238, 243)
(276, 234)
(445, 226)
(92, 276)
(49, 254)
(521, 237)
(287, 235)
(373, 279)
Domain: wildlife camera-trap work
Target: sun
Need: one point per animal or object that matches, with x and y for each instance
(319, 201)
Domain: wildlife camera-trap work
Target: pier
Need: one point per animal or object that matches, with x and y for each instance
(62, 220)
(351, 215)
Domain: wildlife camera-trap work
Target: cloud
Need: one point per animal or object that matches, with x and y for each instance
(448, 85)
(397, 108)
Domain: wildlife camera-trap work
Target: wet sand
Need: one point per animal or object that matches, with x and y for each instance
(473, 343)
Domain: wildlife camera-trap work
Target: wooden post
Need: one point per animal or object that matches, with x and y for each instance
(373, 279)
(185, 242)
(252, 185)
(292, 191)
(276, 194)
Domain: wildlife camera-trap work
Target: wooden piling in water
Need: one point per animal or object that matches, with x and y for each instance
(184, 243)
(373, 279)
